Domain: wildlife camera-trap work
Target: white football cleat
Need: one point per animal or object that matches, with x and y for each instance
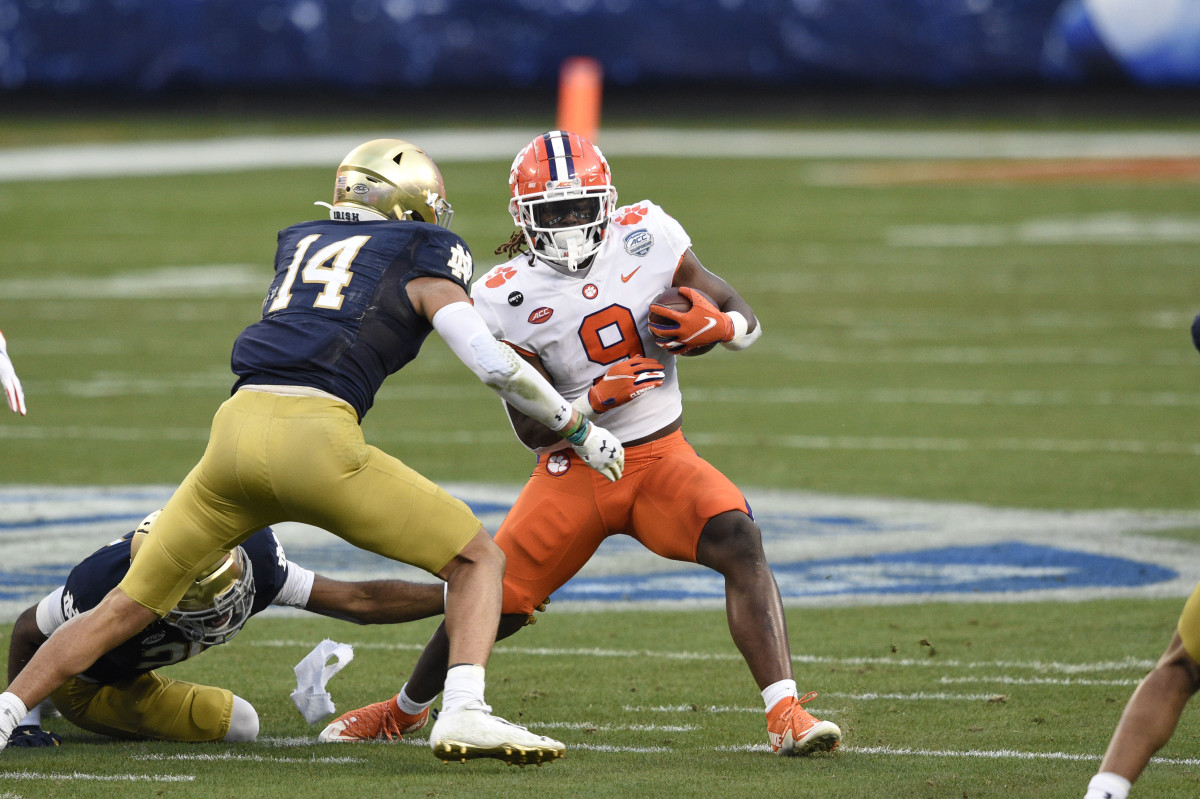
(472, 731)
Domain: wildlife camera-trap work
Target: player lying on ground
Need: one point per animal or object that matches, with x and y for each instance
(579, 308)
(123, 694)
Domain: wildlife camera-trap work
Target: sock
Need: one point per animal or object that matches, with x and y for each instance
(408, 705)
(464, 684)
(33, 717)
(1107, 785)
(777, 691)
(12, 710)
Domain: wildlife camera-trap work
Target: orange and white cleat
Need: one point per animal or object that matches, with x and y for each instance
(382, 720)
(794, 731)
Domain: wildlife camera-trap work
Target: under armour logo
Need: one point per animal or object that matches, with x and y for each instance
(607, 449)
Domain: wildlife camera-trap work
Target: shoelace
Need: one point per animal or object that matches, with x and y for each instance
(808, 697)
(378, 715)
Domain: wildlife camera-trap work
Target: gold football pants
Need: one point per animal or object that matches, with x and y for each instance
(1189, 624)
(274, 458)
(148, 706)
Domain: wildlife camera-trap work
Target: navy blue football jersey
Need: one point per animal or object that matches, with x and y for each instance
(160, 644)
(337, 316)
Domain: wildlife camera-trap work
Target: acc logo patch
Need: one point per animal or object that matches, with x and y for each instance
(516, 298)
(360, 188)
(590, 291)
(539, 315)
(557, 464)
(639, 242)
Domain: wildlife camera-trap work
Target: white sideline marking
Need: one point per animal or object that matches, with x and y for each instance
(997, 754)
(573, 725)
(1116, 228)
(1006, 680)
(873, 443)
(927, 396)
(251, 758)
(118, 385)
(1137, 664)
(75, 775)
(648, 750)
(60, 162)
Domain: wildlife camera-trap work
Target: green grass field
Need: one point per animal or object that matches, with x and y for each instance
(986, 339)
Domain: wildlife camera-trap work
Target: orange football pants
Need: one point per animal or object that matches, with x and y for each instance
(567, 509)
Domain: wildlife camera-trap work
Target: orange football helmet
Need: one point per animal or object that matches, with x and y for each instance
(562, 198)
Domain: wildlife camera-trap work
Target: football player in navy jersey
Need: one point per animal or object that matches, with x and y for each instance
(124, 695)
(351, 302)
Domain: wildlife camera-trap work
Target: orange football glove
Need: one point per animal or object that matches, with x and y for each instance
(624, 381)
(699, 326)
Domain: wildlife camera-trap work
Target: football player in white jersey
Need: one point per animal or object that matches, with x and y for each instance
(577, 307)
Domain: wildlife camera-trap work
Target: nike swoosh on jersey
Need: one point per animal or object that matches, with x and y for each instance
(625, 278)
(711, 324)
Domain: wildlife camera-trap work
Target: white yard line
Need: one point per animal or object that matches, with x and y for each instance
(78, 776)
(63, 162)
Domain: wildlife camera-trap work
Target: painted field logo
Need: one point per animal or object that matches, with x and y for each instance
(639, 242)
(824, 549)
(540, 315)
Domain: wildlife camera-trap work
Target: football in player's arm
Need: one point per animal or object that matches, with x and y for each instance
(123, 694)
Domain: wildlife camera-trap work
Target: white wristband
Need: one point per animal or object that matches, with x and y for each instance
(741, 338)
(584, 406)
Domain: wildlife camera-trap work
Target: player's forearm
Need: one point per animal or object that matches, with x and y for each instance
(26, 639)
(530, 432)
(493, 362)
(376, 601)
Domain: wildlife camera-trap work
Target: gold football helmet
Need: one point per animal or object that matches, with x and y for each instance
(218, 603)
(390, 179)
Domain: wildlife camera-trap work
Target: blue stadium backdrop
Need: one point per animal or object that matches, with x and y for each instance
(149, 46)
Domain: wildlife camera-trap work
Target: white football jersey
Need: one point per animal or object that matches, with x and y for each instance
(581, 326)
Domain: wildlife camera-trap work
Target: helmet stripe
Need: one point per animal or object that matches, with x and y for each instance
(559, 156)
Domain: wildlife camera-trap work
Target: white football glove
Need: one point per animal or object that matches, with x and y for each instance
(8, 378)
(601, 450)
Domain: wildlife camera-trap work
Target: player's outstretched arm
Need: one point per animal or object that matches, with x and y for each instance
(375, 601)
(448, 308)
(8, 378)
